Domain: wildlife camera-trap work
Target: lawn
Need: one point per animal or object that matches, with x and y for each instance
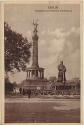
(43, 112)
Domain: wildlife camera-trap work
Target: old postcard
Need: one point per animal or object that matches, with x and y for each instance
(42, 49)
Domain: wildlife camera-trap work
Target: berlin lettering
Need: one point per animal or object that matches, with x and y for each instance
(52, 7)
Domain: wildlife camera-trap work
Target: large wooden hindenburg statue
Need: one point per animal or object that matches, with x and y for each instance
(61, 74)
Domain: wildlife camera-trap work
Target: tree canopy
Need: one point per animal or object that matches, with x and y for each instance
(17, 50)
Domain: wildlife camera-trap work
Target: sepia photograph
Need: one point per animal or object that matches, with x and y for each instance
(42, 60)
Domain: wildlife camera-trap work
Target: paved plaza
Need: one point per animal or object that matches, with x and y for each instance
(36, 110)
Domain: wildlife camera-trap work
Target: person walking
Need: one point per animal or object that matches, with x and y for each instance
(29, 93)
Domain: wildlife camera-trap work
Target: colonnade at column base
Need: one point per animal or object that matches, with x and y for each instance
(35, 73)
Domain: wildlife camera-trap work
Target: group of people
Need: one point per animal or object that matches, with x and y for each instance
(28, 91)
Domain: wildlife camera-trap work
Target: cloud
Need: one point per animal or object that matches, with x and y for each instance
(17, 77)
(72, 41)
(58, 32)
(28, 34)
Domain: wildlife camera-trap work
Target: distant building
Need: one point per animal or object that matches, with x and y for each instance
(52, 79)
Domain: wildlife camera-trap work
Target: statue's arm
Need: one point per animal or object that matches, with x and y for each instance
(64, 69)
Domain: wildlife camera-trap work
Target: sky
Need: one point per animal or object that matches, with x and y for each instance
(59, 36)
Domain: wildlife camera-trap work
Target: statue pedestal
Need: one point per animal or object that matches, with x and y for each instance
(34, 84)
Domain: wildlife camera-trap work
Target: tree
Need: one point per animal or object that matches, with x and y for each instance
(17, 50)
(8, 86)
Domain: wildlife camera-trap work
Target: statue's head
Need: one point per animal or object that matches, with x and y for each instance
(61, 62)
(35, 27)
